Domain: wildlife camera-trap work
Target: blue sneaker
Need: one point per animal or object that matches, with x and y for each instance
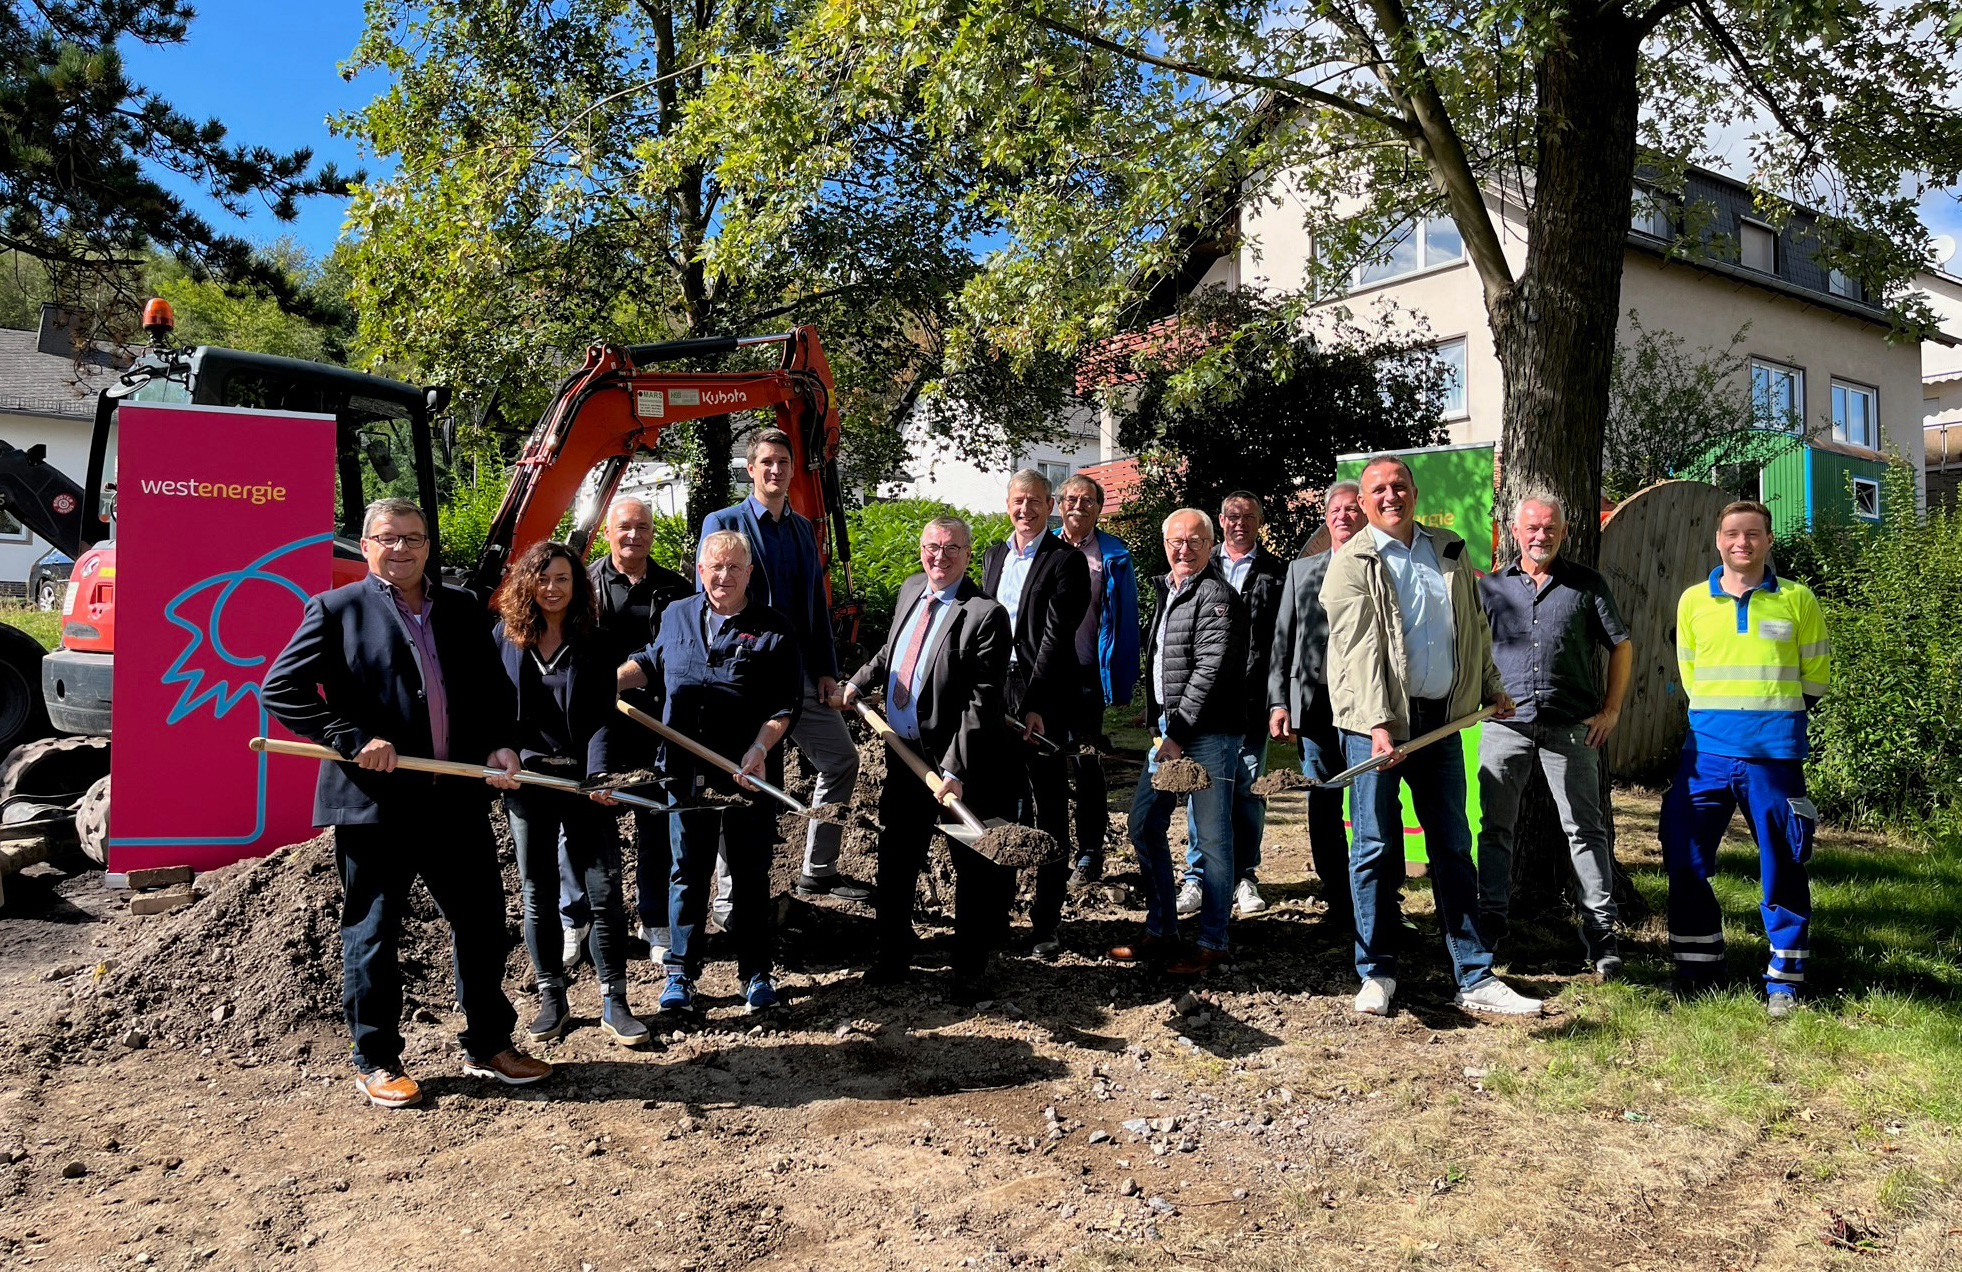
(678, 994)
(760, 994)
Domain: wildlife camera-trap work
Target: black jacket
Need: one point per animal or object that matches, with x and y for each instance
(349, 676)
(1046, 677)
(628, 626)
(1204, 629)
(960, 705)
(1261, 595)
(585, 705)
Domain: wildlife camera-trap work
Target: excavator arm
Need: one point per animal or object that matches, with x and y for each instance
(619, 402)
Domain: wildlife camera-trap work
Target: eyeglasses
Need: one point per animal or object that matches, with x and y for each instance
(942, 549)
(1190, 545)
(394, 541)
(1081, 501)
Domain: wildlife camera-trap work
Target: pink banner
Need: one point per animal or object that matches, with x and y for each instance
(224, 526)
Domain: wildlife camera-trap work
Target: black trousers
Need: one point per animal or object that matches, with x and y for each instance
(983, 891)
(446, 840)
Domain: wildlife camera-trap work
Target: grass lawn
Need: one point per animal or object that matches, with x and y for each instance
(42, 625)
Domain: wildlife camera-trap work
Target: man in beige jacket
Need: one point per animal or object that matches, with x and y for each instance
(1409, 649)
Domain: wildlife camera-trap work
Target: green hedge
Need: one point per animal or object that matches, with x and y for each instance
(1886, 737)
(886, 551)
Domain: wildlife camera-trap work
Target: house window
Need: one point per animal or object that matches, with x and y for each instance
(12, 531)
(1841, 284)
(1866, 498)
(1649, 215)
(1452, 354)
(1778, 396)
(1413, 247)
(1855, 418)
(1757, 247)
(1739, 481)
(1054, 474)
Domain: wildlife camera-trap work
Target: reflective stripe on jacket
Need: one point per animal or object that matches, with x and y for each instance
(1749, 663)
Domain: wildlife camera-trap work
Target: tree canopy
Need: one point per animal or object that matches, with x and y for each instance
(82, 148)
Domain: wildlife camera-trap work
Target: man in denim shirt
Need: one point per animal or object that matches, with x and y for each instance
(1549, 617)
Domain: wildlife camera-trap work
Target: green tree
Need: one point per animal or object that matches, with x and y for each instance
(556, 184)
(1118, 137)
(209, 312)
(81, 147)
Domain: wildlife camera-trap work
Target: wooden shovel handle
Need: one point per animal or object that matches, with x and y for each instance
(898, 746)
(701, 752)
(416, 764)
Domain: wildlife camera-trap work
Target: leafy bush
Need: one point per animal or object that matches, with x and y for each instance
(886, 551)
(1886, 736)
(465, 517)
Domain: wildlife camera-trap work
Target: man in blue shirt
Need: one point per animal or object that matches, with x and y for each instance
(787, 578)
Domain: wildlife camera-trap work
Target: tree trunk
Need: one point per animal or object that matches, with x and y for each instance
(1555, 336)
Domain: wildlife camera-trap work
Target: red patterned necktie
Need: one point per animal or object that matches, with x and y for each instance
(902, 691)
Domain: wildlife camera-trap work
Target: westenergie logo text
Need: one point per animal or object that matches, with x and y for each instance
(214, 490)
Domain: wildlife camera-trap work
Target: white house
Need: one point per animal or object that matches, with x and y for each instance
(47, 397)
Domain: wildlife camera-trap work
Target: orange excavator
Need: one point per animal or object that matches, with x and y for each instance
(613, 407)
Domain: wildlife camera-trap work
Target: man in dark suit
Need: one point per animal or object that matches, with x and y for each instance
(632, 591)
(1044, 584)
(942, 671)
(1297, 698)
(1258, 576)
(783, 546)
(397, 659)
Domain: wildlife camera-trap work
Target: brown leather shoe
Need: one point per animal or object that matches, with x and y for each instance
(511, 1067)
(388, 1088)
(1146, 947)
(1195, 961)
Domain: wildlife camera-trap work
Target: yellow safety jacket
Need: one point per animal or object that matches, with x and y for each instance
(1748, 664)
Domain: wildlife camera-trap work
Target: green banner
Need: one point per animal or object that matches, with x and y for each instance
(1454, 490)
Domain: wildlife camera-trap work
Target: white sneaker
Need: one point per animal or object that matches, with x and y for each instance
(1192, 898)
(657, 941)
(1247, 898)
(1374, 1000)
(574, 948)
(1494, 995)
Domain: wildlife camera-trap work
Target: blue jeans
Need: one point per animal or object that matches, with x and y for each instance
(1328, 836)
(550, 829)
(1151, 818)
(1695, 812)
(697, 834)
(653, 862)
(1249, 812)
(1436, 777)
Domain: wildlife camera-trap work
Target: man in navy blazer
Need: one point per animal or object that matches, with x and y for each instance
(397, 660)
(1044, 584)
(786, 577)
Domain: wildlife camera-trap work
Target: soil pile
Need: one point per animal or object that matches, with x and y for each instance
(1018, 847)
(256, 957)
(1280, 781)
(1181, 776)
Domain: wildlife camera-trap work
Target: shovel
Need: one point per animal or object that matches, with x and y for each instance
(1355, 771)
(451, 768)
(999, 840)
(701, 752)
(1041, 741)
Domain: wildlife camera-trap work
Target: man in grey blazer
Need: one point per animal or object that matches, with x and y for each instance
(1297, 697)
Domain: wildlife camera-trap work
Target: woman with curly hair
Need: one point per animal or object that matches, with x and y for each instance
(563, 677)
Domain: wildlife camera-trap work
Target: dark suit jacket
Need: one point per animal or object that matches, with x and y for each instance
(1046, 677)
(808, 608)
(1298, 672)
(1266, 578)
(584, 706)
(962, 732)
(349, 676)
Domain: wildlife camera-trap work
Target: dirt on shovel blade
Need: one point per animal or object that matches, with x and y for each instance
(1018, 847)
(1279, 781)
(627, 780)
(1181, 776)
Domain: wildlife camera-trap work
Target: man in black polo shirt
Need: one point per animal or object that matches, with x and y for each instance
(632, 591)
(1549, 616)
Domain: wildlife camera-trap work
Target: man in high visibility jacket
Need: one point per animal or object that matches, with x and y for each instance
(1753, 653)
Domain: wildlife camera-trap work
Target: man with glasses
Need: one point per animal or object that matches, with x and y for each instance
(1045, 587)
(1195, 698)
(1107, 648)
(941, 671)
(399, 660)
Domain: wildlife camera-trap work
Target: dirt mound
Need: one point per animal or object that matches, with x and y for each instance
(1181, 776)
(256, 957)
(1018, 847)
(1280, 781)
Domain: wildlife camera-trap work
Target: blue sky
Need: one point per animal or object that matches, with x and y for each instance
(267, 70)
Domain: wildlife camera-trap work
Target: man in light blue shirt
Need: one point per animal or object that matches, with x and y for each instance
(1424, 606)
(1014, 574)
(919, 637)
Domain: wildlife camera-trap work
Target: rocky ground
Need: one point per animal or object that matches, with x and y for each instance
(174, 1093)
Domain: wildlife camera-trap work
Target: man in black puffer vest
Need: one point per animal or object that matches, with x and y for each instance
(1195, 659)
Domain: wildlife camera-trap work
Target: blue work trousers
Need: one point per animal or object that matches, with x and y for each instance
(1249, 812)
(1695, 813)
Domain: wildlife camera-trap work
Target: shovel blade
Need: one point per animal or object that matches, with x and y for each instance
(960, 834)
